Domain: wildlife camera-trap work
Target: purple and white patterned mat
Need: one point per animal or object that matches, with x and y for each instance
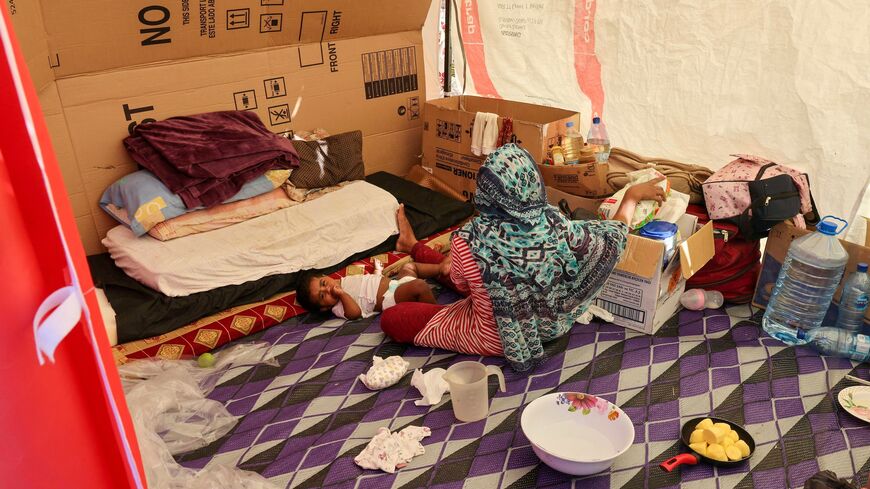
(303, 422)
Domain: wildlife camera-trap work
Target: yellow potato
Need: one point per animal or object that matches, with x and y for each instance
(701, 448)
(743, 447)
(725, 427)
(716, 452)
(705, 423)
(733, 453)
(713, 435)
(733, 435)
(697, 437)
(727, 442)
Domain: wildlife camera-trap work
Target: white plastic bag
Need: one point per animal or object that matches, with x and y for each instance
(646, 210)
(171, 415)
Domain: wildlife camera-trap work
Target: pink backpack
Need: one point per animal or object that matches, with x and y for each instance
(756, 194)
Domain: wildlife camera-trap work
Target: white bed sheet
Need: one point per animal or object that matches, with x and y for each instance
(316, 234)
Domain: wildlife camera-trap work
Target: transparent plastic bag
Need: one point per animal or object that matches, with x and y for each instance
(171, 415)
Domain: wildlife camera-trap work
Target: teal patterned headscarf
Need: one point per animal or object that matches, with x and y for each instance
(541, 269)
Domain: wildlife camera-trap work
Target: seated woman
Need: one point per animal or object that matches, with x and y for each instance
(526, 271)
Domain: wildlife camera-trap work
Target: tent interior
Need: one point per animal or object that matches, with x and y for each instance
(173, 174)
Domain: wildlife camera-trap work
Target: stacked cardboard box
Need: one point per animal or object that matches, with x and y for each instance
(447, 142)
(102, 67)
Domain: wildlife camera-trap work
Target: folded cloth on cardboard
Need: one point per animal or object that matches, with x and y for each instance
(207, 158)
(315, 234)
(141, 201)
(142, 312)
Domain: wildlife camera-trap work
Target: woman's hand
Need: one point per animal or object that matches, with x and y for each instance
(647, 191)
(636, 193)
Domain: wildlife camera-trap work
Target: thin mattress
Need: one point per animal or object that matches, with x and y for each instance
(313, 235)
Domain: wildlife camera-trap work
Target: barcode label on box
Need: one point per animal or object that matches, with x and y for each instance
(629, 313)
(389, 72)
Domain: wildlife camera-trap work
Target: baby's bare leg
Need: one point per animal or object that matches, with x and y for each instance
(415, 291)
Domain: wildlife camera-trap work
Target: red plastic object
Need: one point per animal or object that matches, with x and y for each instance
(681, 459)
(64, 423)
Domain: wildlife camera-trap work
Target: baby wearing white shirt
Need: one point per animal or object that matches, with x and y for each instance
(362, 296)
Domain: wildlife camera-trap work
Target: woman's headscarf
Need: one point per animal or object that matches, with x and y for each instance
(541, 269)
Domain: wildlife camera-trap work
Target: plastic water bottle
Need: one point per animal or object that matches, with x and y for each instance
(806, 283)
(837, 342)
(572, 144)
(853, 302)
(598, 140)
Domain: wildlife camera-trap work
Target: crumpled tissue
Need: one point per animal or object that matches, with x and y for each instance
(595, 311)
(431, 385)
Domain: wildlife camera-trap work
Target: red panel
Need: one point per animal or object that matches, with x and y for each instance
(58, 426)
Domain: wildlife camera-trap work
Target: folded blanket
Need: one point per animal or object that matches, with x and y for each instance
(206, 158)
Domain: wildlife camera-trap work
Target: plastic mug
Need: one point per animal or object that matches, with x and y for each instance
(469, 390)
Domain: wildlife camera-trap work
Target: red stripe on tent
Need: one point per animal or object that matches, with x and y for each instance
(472, 39)
(586, 64)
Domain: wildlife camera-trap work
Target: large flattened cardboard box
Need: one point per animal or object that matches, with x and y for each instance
(101, 67)
(447, 129)
(639, 293)
(775, 251)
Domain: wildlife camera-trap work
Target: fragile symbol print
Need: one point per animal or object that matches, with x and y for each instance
(279, 114)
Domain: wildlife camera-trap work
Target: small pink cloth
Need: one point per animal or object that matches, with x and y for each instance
(390, 451)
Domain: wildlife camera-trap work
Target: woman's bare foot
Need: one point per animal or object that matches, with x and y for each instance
(407, 240)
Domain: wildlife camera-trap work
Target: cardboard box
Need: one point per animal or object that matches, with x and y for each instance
(778, 242)
(87, 36)
(586, 179)
(447, 134)
(639, 294)
(367, 74)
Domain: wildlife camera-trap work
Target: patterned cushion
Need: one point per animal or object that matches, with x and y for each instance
(329, 161)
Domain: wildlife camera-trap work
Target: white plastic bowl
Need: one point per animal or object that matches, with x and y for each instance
(577, 433)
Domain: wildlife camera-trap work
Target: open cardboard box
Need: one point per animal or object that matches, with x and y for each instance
(778, 242)
(640, 295)
(447, 126)
(101, 67)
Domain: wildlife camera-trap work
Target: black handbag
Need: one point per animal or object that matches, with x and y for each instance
(773, 200)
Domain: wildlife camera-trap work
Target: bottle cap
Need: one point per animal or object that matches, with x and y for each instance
(596, 120)
(658, 230)
(801, 334)
(827, 228)
(569, 124)
(862, 267)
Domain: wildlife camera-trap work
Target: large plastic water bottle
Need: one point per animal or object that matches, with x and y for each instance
(806, 283)
(853, 302)
(598, 140)
(837, 342)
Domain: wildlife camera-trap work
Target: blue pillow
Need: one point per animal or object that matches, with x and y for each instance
(141, 201)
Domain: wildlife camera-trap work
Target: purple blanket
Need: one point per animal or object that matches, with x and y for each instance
(206, 158)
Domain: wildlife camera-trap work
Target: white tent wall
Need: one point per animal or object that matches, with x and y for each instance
(784, 79)
(696, 81)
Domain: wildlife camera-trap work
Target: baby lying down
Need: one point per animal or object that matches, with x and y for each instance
(362, 296)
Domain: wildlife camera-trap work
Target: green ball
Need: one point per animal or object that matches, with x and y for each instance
(206, 360)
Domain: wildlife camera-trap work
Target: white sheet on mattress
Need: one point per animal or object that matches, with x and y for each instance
(316, 234)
